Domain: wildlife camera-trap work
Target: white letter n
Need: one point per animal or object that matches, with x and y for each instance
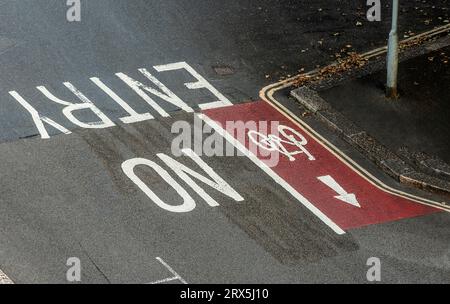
(217, 183)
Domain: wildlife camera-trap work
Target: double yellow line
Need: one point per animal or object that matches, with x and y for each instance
(268, 92)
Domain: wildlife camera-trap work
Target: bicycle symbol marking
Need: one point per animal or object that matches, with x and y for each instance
(275, 143)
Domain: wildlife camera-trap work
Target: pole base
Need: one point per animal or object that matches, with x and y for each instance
(392, 93)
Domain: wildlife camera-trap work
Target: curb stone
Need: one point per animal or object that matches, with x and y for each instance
(433, 165)
(378, 63)
(390, 162)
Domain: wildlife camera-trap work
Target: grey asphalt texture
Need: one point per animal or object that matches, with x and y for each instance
(67, 196)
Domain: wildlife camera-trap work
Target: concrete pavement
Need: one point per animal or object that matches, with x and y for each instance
(419, 117)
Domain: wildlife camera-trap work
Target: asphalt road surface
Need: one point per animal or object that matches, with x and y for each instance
(80, 101)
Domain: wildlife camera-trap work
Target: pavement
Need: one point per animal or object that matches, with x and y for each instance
(73, 195)
(406, 136)
(418, 120)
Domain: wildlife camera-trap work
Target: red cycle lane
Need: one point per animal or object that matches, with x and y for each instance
(331, 185)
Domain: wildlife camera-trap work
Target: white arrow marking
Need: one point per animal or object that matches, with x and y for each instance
(348, 198)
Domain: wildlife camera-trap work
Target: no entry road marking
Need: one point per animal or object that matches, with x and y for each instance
(166, 98)
(320, 180)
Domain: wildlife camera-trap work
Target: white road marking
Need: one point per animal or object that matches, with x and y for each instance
(185, 173)
(166, 94)
(143, 90)
(201, 83)
(188, 202)
(4, 278)
(134, 116)
(272, 174)
(273, 142)
(214, 180)
(72, 107)
(175, 277)
(38, 119)
(344, 196)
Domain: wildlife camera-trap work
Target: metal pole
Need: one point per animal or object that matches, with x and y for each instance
(392, 57)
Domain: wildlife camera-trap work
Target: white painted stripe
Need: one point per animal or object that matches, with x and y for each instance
(201, 83)
(271, 173)
(175, 277)
(38, 118)
(163, 281)
(4, 278)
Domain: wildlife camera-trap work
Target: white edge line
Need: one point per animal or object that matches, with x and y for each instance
(4, 279)
(163, 281)
(177, 276)
(272, 174)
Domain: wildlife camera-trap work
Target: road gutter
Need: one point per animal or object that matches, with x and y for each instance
(404, 174)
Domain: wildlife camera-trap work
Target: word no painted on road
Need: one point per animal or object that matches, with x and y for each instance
(316, 177)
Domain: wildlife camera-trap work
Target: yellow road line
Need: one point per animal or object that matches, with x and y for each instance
(267, 94)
